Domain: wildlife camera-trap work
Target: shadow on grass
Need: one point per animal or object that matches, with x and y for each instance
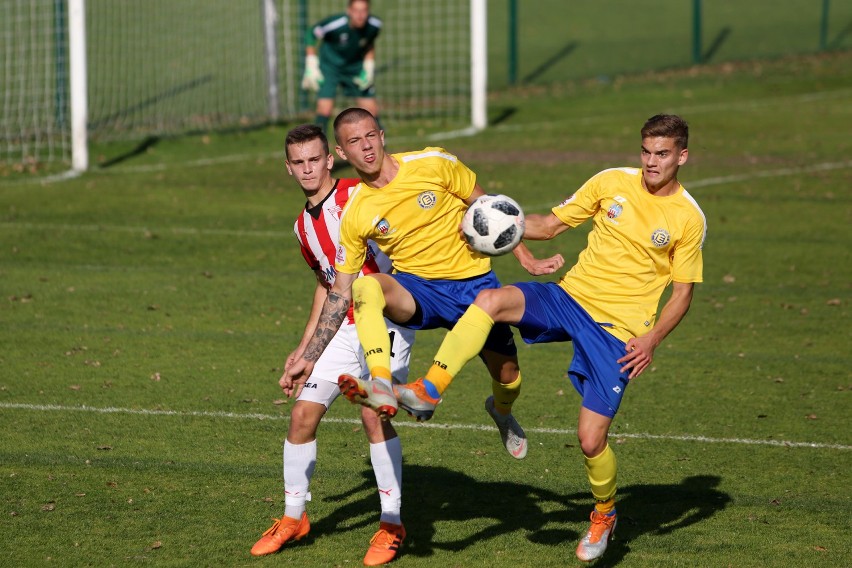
(720, 39)
(563, 53)
(841, 37)
(138, 150)
(434, 494)
(662, 509)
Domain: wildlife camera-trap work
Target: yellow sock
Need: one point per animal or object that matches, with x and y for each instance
(369, 308)
(381, 373)
(460, 345)
(602, 472)
(505, 395)
(605, 507)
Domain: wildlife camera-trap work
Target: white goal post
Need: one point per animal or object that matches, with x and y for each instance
(79, 89)
(78, 71)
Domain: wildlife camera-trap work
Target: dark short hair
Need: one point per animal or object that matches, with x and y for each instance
(350, 115)
(305, 133)
(667, 126)
(353, 1)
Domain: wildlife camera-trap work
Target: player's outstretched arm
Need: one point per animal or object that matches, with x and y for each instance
(543, 227)
(332, 315)
(320, 293)
(640, 350)
(537, 266)
(540, 228)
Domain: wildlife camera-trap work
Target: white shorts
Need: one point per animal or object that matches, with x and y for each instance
(345, 355)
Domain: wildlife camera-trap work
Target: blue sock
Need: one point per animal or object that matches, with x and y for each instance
(430, 389)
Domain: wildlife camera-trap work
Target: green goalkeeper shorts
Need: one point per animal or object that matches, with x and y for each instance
(344, 78)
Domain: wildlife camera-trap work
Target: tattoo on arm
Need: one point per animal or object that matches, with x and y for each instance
(333, 311)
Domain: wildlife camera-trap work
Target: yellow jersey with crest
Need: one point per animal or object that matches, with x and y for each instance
(414, 219)
(639, 243)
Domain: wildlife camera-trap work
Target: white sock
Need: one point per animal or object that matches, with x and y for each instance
(299, 463)
(386, 458)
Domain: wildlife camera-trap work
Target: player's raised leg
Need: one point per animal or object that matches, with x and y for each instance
(375, 296)
(476, 333)
(377, 394)
(461, 344)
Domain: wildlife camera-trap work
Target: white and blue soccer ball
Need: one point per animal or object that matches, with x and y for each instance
(493, 224)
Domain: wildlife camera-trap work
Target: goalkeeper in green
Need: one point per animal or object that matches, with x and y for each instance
(346, 58)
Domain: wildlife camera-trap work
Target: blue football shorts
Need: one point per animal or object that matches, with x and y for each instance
(440, 303)
(552, 315)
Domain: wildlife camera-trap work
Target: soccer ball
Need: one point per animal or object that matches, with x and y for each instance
(493, 224)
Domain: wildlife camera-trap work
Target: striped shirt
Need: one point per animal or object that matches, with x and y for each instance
(318, 231)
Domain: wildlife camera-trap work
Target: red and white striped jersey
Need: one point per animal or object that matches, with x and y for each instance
(318, 232)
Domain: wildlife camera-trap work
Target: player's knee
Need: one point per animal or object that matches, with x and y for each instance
(490, 301)
(590, 444)
(303, 423)
(367, 289)
(297, 415)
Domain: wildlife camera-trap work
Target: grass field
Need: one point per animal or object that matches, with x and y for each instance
(147, 308)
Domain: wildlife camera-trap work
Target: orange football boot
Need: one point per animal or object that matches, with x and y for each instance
(385, 544)
(280, 533)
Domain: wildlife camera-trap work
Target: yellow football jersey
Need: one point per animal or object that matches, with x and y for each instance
(639, 243)
(414, 219)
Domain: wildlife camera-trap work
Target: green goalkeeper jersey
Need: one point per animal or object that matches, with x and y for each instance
(344, 47)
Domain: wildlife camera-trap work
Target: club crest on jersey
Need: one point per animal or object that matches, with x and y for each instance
(660, 238)
(383, 227)
(614, 211)
(335, 211)
(426, 200)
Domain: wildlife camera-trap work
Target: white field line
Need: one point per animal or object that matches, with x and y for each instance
(687, 111)
(782, 172)
(144, 230)
(707, 182)
(406, 424)
(229, 159)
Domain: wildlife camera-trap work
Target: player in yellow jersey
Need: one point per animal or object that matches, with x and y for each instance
(411, 205)
(647, 232)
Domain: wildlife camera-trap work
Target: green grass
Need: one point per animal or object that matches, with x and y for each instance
(147, 309)
(558, 40)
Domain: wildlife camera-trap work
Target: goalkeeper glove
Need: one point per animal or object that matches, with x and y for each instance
(313, 78)
(367, 76)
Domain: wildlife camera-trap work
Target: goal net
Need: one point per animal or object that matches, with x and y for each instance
(166, 67)
(423, 56)
(33, 88)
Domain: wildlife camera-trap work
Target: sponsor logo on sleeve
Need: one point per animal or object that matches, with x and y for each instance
(567, 201)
